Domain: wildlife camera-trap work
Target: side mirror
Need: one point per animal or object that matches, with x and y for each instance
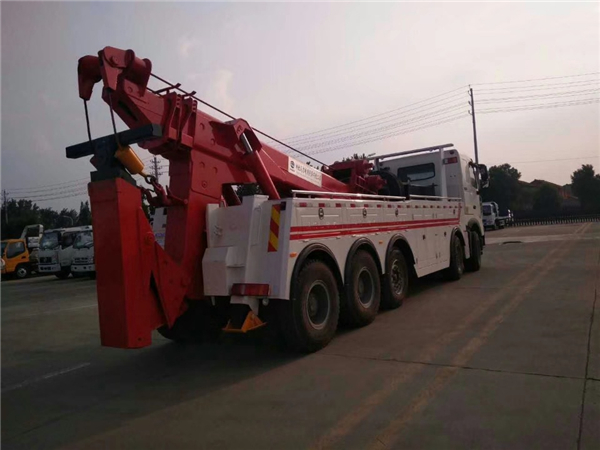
(484, 176)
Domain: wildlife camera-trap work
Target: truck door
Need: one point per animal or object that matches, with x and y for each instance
(16, 253)
(470, 187)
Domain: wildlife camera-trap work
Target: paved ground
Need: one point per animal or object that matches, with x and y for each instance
(506, 358)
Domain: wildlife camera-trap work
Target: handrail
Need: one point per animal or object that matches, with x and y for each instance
(342, 194)
(434, 197)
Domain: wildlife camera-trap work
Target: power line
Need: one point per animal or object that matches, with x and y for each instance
(541, 96)
(552, 160)
(539, 79)
(344, 125)
(369, 124)
(541, 106)
(376, 131)
(396, 133)
(538, 87)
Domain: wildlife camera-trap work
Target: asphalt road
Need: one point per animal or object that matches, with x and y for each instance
(508, 357)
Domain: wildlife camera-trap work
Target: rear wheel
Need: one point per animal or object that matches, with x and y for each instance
(457, 259)
(309, 319)
(473, 264)
(22, 271)
(363, 291)
(395, 280)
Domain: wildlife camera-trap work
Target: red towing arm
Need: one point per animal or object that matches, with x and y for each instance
(142, 286)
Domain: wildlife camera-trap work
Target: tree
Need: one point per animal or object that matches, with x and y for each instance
(547, 199)
(504, 187)
(586, 187)
(67, 217)
(85, 214)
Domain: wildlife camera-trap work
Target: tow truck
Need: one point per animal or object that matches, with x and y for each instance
(320, 244)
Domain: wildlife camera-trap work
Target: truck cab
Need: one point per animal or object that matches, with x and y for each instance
(16, 258)
(56, 250)
(442, 173)
(491, 216)
(83, 255)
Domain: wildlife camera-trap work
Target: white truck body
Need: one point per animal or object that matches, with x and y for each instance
(260, 241)
(83, 254)
(56, 250)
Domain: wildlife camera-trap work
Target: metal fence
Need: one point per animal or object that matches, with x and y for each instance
(554, 220)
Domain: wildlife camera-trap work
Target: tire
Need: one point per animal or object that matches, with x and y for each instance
(22, 271)
(63, 274)
(457, 259)
(473, 264)
(360, 304)
(309, 319)
(395, 281)
(92, 275)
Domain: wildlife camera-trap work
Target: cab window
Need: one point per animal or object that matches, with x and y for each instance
(418, 172)
(15, 249)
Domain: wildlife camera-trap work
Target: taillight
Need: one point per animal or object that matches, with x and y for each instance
(452, 160)
(250, 289)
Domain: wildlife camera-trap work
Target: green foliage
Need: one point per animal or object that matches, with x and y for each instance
(85, 214)
(547, 199)
(586, 187)
(24, 212)
(504, 187)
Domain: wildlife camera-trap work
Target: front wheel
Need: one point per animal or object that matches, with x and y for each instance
(22, 271)
(309, 319)
(457, 259)
(473, 264)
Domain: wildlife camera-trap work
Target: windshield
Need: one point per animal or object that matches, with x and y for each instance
(4, 243)
(50, 241)
(487, 210)
(84, 240)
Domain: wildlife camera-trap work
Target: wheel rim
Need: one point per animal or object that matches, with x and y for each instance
(397, 278)
(21, 273)
(318, 305)
(460, 259)
(365, 287)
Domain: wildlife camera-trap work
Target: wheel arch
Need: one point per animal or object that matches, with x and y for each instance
(320, 252)
(400, 242)
(362, 244)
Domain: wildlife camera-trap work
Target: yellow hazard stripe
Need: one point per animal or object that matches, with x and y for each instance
(273, 240)
(275, 215)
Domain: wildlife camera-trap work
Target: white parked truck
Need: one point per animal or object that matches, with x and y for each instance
(56, 250)
(491, 216)
(83, 254)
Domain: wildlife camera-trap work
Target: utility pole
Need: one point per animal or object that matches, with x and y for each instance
(5, 203)
(472, 112)
(156, 172)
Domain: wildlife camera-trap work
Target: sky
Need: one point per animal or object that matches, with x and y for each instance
(293, 68)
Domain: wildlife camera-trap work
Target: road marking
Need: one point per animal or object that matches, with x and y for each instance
(44, 377)
(44, 313)
(445, 375)
(351, 420)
